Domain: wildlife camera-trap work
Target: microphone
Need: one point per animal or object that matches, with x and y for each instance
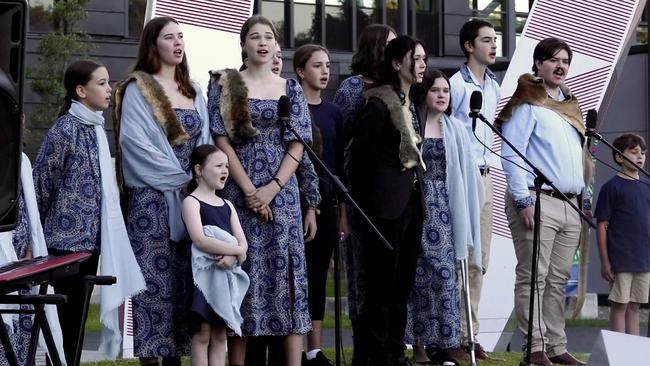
(591, 120)
(284, 110)
(475, 104)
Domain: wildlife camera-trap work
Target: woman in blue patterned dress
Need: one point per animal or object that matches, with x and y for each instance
(453, 191)
(160, 116)
(262, 155)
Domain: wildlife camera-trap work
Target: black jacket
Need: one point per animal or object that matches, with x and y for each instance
(380, 183)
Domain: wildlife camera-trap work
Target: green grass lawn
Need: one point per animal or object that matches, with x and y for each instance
(501, 359)
(92, 323)
(509, 358)
(329, 287)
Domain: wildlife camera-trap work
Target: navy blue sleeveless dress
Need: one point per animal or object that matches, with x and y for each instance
(200, 310)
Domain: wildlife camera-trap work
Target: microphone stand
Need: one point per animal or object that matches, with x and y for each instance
(539, 181)
(340, 187)
(597, 136)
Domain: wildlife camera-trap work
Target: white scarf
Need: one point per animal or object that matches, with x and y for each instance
(39, 249)
(117, 258)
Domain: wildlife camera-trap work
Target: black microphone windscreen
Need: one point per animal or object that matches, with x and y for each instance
(592, 119)
(475, 101)
(284, 107)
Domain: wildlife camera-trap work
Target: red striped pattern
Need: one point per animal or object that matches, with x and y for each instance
(222, 15)
(129, 317)
(589, 87)
(499, 221)
(593, 27)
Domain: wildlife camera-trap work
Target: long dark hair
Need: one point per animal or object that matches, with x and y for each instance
(148, 59)
(395, 51)
(78, 73)
(370, 53)
(198, 157)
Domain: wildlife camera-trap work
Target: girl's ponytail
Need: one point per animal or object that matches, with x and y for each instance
(67, 103)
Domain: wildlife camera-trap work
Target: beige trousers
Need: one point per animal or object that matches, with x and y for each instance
(559, 234)
(476, 272)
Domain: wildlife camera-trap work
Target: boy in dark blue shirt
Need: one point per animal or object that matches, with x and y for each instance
(623, 214)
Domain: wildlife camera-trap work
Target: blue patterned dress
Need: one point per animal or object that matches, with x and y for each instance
(68, 186)
(160, 313)
(433, 309)
(276, 301)
(22, 325)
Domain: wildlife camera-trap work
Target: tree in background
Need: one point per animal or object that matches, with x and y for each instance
(65, 44)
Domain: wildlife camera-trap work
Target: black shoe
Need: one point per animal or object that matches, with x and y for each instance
(305, 361)
(171, 361)
(401, 361)
(319, 360)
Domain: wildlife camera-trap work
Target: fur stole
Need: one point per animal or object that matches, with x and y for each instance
(530, 90)
(162, 109)
(159, 102)
(401, 117)
(233, 103)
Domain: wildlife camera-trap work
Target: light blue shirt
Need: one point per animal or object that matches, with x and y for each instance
(462, 84)
(551, 143)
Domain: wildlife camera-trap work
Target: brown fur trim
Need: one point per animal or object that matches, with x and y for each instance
(401, 116)
(162, 110)
(233, 104)
(530, 90)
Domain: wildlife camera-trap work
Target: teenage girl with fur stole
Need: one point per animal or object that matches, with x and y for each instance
(263, 157)
(160, 116)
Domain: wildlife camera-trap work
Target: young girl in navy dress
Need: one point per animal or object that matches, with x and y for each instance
(209, 316)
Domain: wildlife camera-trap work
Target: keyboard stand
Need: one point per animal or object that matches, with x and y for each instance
(38, 301)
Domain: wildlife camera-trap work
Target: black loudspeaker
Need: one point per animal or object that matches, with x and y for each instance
(13, 15)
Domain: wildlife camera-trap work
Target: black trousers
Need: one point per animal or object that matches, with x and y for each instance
(318, 253)
(389, 281)
(70, 312)
(257, 347)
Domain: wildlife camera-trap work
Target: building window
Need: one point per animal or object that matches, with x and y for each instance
(274, 11)
(642, 30)
(494, 12)
(39, 16)
(338, 25)
(427, 25)
(306, 22)
(522, 9)
(137, 10)
(368, 12)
